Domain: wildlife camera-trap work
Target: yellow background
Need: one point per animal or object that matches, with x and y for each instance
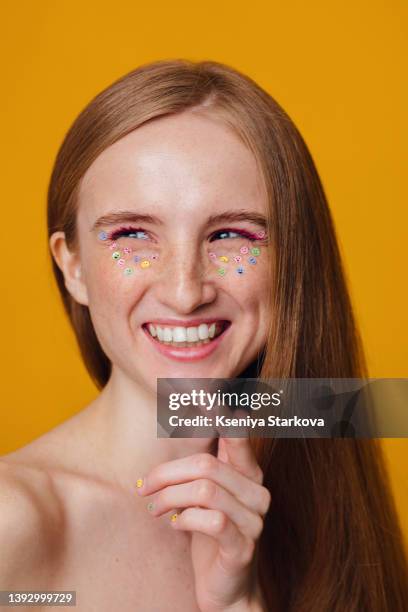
(337, 68)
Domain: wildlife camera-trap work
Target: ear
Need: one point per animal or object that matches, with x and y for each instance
(70, 265)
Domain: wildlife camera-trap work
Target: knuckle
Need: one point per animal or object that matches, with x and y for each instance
(206, 490)
(205, 463)
(266, 499)
(259, 524)
(218, 522)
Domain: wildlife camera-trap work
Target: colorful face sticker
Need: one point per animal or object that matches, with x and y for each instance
(123, 254)
(128, 255)
(237, 258)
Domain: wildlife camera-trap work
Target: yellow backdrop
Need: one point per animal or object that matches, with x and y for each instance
(337, 68)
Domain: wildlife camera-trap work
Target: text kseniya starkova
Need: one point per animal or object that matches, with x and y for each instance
(254, 401)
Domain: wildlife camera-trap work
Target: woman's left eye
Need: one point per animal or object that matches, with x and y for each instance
(226, 234)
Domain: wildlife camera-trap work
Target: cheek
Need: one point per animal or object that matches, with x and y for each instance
(250, 292)
(115, 279)
(113, 293)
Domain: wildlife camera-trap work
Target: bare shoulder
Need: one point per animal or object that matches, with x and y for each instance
(30, 515)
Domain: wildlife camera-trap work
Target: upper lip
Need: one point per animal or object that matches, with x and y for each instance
(181, 323)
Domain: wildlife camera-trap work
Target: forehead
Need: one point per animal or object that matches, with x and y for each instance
(172, 166)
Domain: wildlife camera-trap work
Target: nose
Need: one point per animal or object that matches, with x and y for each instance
(184, 283)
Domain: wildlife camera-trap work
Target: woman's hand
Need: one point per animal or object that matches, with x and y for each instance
(223, 504)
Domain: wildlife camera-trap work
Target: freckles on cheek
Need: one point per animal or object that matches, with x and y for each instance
(116, 283)
(251, 293)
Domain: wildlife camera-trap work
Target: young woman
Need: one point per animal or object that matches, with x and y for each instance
(172, 165)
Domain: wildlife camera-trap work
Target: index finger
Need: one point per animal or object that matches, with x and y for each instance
(241, 456)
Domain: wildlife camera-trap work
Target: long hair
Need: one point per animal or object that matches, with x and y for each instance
(331, 540)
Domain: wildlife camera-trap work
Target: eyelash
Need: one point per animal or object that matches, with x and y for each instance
(126, 231)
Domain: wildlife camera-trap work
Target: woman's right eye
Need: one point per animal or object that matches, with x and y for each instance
(226, 234)
(138, 234)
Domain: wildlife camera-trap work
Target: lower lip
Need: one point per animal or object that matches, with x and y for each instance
(187, 353)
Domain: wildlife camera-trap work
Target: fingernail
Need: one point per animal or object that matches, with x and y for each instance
(173, 517)
(150, 506)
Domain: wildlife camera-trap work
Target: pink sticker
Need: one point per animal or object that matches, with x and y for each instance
(113, 246)
(238, 258)
(127, 250)
(212, 255)
(261, 234)
(244, 250)
(154, 257)
(121, 262)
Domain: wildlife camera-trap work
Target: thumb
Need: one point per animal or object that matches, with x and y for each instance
(222, 453)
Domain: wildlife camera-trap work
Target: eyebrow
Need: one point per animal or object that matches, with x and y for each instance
(126, 216)
(238, 215)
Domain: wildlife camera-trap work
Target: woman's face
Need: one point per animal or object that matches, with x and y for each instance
(158, 196)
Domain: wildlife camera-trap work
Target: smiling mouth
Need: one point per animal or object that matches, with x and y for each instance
(186, 337)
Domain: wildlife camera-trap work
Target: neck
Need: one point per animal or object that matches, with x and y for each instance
(124, 418)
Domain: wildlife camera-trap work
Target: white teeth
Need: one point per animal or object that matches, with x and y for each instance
(203, 331)
(179, 334)
(152, 330)
(183, 335)
(167, 334)
(192, 334)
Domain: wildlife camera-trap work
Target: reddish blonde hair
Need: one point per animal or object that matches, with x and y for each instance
(331, 540)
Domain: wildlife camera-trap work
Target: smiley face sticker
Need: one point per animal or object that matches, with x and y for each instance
(240, 262)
